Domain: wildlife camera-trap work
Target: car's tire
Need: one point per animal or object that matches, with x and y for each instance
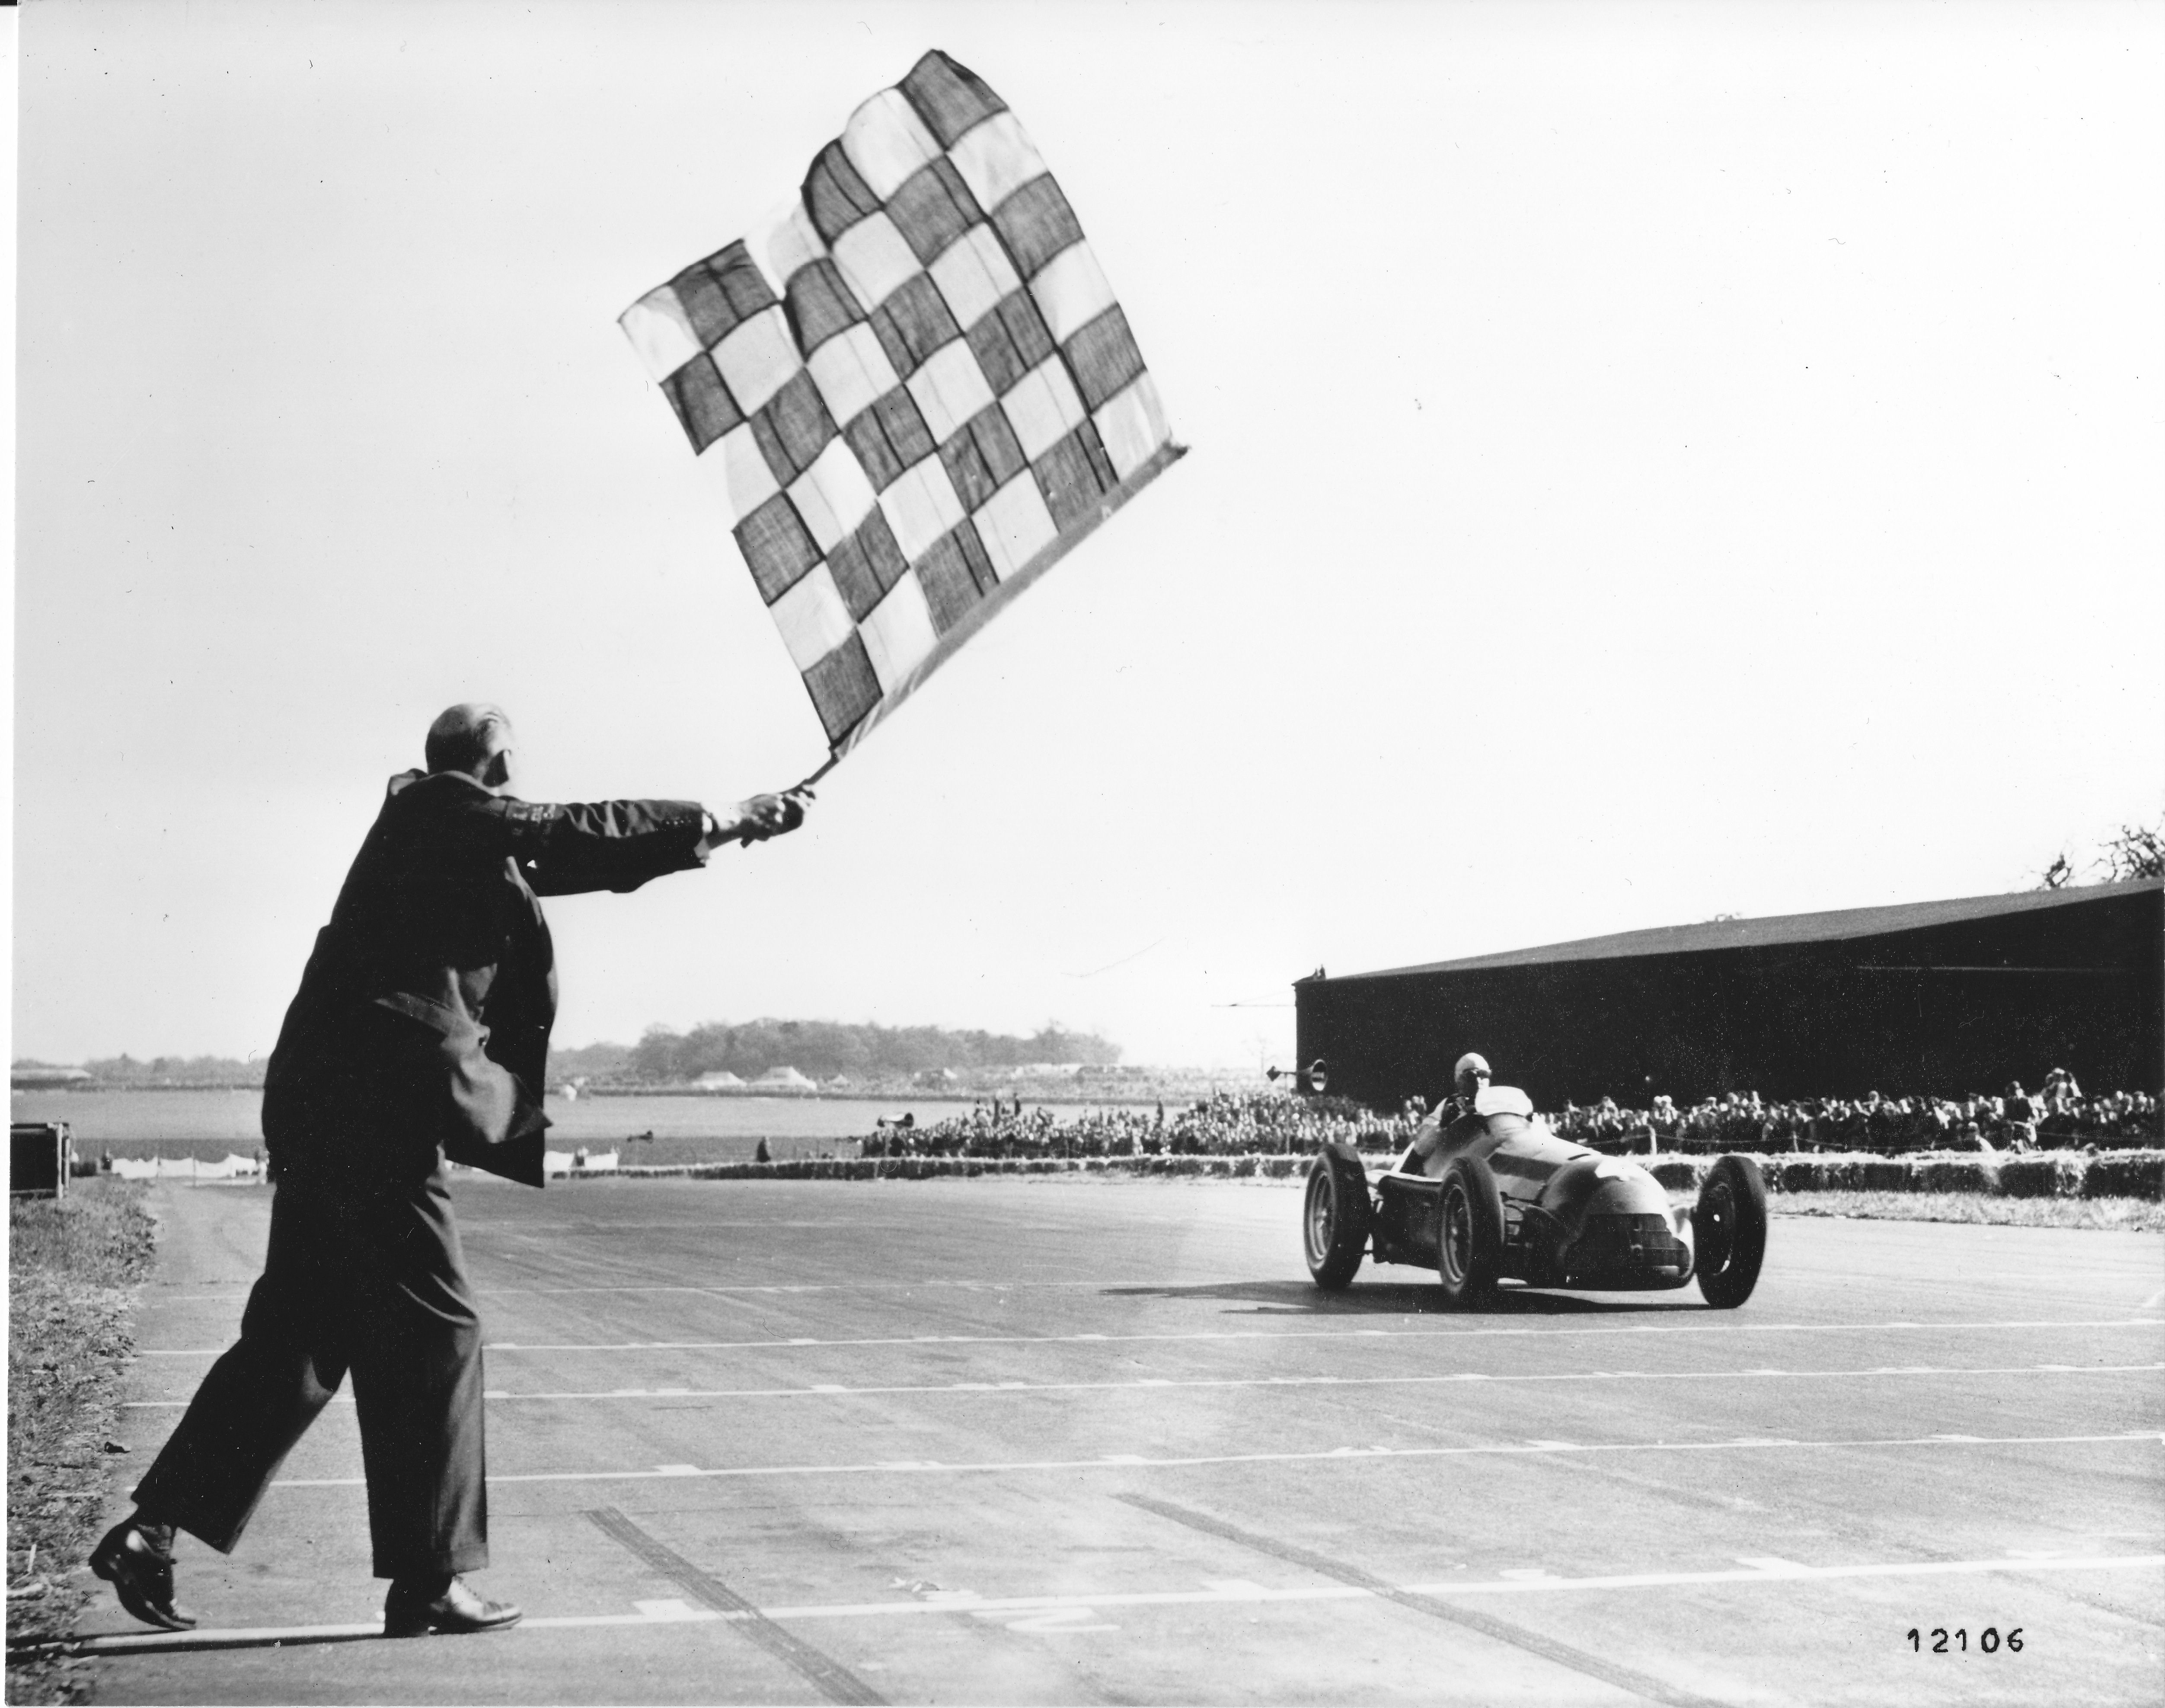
(1729, 1232)
(1334, 1220)
(1469, 1234)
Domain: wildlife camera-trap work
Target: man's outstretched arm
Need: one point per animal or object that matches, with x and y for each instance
(619, 845)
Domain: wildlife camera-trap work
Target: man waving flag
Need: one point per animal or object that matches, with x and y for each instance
(914, 384)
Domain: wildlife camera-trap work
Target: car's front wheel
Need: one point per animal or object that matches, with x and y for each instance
(1334, 1220)
(1729, 1232)
(1469, 1232)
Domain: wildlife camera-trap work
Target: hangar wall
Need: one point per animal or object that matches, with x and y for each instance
(1944, 998)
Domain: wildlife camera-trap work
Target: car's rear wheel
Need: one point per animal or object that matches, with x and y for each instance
(1334, 1220)
(1729, 1232)
(1469, 1232)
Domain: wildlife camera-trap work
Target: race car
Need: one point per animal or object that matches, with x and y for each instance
(1501, 1198)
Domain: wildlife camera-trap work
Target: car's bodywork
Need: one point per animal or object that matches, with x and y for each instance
(1496, 1196)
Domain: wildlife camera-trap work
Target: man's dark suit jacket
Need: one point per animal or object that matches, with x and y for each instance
(422, 1023)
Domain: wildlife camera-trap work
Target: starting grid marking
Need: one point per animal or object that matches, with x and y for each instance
(833, 1391)
(720, 1289)
(1730, 1324)
(1063, 1614)
(1336, 1455)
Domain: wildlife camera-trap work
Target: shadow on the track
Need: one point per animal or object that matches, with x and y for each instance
(195, 1642)
(1401, 1299)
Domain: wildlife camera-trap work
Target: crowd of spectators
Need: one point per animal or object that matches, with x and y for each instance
(2059, 1116)
(1270, 1124)
(1275, 1124)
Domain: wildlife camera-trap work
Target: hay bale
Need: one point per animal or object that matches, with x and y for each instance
(2059, 1176)
(1796, 1173)
(1679, 1173)
(1883, 1173)
(1954, 1175)
(1844, 1174)
(2126, 1174)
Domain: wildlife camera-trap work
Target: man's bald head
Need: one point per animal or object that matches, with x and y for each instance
(467, 737)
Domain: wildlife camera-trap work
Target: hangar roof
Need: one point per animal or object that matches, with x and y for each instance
(1781, 929)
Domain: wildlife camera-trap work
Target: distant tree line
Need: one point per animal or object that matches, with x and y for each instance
(175, 1070)
(824, 1048)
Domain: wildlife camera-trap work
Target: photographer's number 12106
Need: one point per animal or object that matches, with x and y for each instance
(1940, 1641)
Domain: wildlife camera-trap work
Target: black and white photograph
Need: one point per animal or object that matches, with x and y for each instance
(1155, 853)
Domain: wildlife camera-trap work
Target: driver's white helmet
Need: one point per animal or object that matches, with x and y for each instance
(1463, 1076)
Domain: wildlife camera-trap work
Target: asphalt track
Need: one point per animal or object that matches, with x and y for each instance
(1067, 1440)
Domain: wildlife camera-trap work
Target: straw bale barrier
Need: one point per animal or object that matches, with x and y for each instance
(2130, 1174)
(2127, 1174)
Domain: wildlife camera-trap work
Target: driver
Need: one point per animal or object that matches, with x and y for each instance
(1468, 1080)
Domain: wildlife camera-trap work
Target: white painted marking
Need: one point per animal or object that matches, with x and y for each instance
(1063, 1622)
(1008, 1467)
(1540, 1584)
(1552, 1376)
(1525, 1574)
(1774, 1565)
(1728, 1325)
(1241, 1588)
(1559, 1446)
(672, 1611)
(678, 1471)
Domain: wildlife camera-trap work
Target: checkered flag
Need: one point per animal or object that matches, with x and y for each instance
(914, 385)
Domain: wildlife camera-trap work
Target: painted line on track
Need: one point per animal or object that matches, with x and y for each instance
(829, 1391)
(1727, 1325)
(1561, 1654)
(1223, 1593)
(1337, 1455)
(725, 1289)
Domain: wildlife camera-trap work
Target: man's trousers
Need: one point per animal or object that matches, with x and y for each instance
(371, 1282)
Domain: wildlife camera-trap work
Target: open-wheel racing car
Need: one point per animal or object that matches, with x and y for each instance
(1500, 1197)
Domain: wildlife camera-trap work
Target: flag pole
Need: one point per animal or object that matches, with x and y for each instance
(833, 760)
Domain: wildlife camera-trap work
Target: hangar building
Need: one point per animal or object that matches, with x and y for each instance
(1939, 997)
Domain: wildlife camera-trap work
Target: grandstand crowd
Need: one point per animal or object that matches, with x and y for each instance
(2059, 1116)
(1270, 1124)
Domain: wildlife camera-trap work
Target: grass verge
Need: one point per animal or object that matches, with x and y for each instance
(72, 1270)
(2128, 1214)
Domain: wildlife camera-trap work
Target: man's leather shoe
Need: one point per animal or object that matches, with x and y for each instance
(137, 1559)
(415, 1607)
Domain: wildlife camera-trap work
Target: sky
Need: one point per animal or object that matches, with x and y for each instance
(1646, 462)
